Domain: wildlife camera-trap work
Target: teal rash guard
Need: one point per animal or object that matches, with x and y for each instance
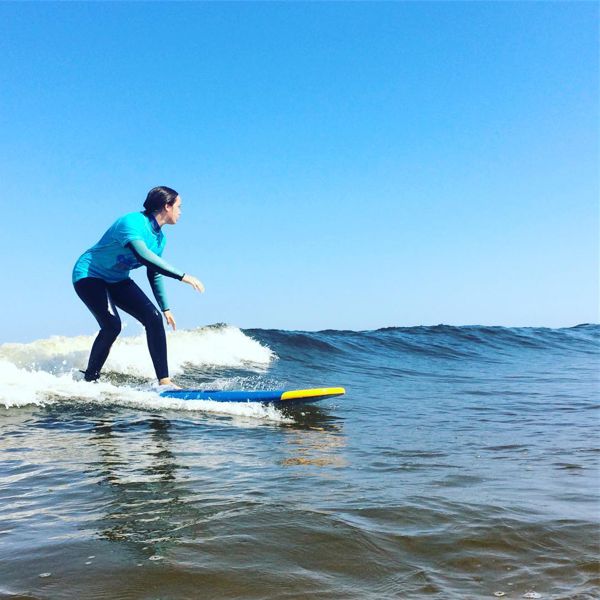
(130, 242)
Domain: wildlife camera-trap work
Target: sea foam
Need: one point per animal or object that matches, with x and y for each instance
(215, 345)
(47, 371)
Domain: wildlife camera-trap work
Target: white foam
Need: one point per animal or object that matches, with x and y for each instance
(220, 346)
(44, 372)
(20, 387)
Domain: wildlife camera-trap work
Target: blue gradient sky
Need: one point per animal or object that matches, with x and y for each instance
(341, 165)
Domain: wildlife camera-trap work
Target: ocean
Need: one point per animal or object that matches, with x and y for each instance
(463, 462)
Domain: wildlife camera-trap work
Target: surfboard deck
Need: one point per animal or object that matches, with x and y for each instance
(263, 396)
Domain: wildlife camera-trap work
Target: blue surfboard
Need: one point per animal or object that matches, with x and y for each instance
(264, 396)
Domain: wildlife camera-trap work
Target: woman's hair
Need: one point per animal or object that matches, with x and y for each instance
(157, 198)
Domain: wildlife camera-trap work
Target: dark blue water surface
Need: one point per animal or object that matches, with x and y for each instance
(462, 462)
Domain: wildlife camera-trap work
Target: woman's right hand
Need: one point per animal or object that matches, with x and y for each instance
(195, 283)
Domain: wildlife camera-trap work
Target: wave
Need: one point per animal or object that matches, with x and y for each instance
(442, 341)
(19, 388)
(224, 356)
(225, 346)
(47, 371)
(216, 345)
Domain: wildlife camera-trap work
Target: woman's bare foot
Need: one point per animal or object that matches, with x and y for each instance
(167, 381)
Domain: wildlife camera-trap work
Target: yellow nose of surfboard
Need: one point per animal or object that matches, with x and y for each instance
(313, 393)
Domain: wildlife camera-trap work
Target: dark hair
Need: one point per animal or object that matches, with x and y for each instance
(157, 198)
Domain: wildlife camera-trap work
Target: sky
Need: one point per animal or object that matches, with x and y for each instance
(341, 165)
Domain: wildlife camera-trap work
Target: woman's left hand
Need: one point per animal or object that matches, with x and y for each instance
(170, 319)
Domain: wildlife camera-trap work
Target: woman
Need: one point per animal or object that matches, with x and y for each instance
(101, 279)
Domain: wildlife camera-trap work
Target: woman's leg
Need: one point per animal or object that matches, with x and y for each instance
(128, 296)
(95, 295)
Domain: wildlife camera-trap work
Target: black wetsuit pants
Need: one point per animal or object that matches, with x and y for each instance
(102, 298)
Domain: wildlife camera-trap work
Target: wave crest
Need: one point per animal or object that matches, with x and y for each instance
(215, 345)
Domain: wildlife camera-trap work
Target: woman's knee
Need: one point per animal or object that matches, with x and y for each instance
(153, 320)
(111, 327)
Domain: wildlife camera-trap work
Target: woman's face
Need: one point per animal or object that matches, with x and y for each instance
(173, 211)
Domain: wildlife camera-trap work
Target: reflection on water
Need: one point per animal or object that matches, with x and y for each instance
(314, 438)
(152, 481)
(147, 495)
(318, 447)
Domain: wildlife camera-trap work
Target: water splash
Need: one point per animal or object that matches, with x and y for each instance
(20, 387)
(46, 371)
(216, 345)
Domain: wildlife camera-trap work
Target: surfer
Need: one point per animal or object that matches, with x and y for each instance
(101, 279)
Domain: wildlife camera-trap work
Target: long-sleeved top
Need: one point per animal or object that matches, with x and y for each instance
(131, 241)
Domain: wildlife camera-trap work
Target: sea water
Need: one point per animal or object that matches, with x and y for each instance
(463, 462)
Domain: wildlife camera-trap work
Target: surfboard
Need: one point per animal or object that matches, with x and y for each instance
(264, 396)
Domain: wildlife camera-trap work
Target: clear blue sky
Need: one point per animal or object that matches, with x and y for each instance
(341, 165)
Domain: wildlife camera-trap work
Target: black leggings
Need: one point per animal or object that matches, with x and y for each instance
(101, 297)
